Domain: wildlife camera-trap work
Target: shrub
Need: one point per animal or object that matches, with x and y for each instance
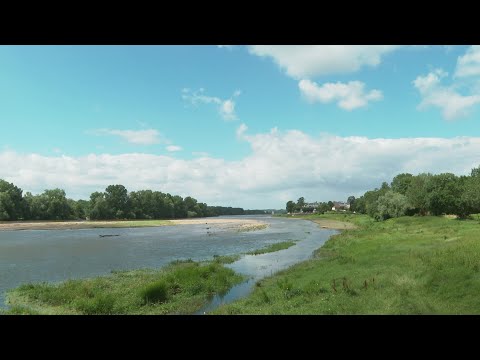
(156, 292)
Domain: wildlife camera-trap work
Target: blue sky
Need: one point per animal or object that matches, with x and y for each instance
(249, 126)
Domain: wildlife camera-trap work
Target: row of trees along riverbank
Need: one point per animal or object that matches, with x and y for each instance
(422, 194)
(114, 203)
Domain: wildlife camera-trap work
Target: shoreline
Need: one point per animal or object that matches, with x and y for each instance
(328, 223)
(233, 224)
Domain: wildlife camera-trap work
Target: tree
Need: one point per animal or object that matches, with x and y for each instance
(475, 172)
(323, 207)
(417, 193)
(12, 204)
(99, 209)
(401, 183)
(190, 205)
(351, 200)
(117, 200)
(359, 205)
(290, 206)
(471, 195)
(443, 193)
(391, 205)
(179, 207)
(300, 203)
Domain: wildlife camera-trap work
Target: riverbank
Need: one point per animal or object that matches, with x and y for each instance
(179, 288)
(327, 222)
(223, 224)
(408, 265)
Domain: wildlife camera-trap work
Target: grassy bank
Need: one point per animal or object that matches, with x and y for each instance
(408, 265)
(179, 288)
(273, 247)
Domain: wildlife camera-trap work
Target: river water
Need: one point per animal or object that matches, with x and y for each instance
(57, 255)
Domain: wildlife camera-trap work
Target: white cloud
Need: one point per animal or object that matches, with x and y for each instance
(228, 47)
(173, 148)
(306, 61)
(469, 64)
(226, 107)
(447, 98)
(282, 165)
(227, 110)
(349, 96)
(141, 137)
(241, 130)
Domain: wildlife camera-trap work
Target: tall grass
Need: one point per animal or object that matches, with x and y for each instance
(407, 265)
(273, 247)
(182, 287)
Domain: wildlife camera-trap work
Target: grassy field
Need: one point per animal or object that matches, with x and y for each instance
(408, 265)
(179, 288)
(273, 247)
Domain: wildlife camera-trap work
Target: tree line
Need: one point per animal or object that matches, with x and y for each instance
(407, 194)
(423, 194)
(114, 203)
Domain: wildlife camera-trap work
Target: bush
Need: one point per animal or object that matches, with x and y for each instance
(156, 292)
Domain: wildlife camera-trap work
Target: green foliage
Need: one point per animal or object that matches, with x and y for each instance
(273, 247)
(156, 292)
(12, 204)
(443, 192)
(181, 287)
(102, 304)
(114, 203)
(290, 206)
(417, 193)
(401, 183)
(405, 265)
(391, 205)
(300, 203)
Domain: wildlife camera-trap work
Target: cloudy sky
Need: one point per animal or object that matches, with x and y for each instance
(248, 126)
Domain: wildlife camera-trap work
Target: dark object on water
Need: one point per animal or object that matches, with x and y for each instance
(107, 235)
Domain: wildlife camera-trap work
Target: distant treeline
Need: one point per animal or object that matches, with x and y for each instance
(407, 194)
(423, 194)
(114, 203)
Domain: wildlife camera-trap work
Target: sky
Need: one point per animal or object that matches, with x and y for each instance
(247, 126)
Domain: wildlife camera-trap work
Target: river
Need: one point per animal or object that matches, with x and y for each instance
(57, 255)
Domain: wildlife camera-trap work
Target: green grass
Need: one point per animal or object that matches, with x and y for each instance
(179, 288)
(226, 259)
(408, 265)
(273, 247)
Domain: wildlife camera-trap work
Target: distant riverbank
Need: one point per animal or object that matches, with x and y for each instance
(236, 224)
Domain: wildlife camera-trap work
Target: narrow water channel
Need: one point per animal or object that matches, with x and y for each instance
(257, 267)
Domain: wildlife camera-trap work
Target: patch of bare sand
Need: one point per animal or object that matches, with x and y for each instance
(332, 224)
(225, 224)
(61, 225)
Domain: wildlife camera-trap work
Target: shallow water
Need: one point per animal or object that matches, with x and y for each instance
(257, 267)
(57, 255)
